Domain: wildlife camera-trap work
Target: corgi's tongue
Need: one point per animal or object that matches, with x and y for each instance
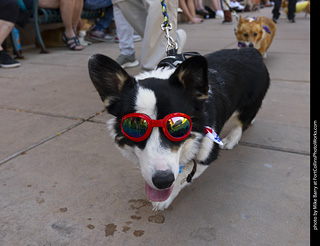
(158, 195)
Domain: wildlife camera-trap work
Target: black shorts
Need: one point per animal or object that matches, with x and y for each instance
(9, 10)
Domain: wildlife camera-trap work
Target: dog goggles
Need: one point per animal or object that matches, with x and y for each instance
(137, 127)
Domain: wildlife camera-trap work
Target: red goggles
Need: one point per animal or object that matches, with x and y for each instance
(137, 127)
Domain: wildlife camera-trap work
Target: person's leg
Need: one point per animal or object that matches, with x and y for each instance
(135, 13)
(105, 21)
(154, 38)
(292, 10)
(66, 9)
(97, 4)
(9, 11)
(189, 10)
(76, 16)
(227, 13)
(276, 10)
(146, 18)
(124, 32)
(199, 6)
(5, 29)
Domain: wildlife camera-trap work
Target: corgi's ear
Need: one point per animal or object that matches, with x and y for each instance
(240, 19)
(108, 77)
(192, 75)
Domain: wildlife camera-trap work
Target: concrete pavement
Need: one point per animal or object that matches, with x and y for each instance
(63, 182)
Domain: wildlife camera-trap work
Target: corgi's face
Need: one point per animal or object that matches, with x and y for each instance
(156, 95)
(249, 32)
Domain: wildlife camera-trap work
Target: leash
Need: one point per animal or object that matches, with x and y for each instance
(167, 27)
(173, 59)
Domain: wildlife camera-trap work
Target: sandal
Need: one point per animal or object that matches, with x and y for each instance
(73, 43)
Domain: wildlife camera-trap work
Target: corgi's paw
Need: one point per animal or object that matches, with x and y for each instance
(160, 206)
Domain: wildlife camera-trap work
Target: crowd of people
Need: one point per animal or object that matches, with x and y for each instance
(134, 20)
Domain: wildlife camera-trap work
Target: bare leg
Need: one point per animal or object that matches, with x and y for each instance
(189, 10)
(5, 29)
(67, 9)
(76, 17)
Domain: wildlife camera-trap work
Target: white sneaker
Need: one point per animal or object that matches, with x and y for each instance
(219, 14)
(181, 39)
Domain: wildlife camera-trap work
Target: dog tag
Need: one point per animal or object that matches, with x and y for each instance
(210, 133)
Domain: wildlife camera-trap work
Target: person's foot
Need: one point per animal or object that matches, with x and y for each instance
(195, 20)
(101, 36)
(6, 61)
(292, 20)
(127, 61)
(219, 14)
(227, 17)
(202, 12)
(72, 42)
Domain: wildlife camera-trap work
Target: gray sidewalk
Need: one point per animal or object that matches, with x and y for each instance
(63, 182)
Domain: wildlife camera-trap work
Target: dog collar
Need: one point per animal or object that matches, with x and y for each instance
(210, 133)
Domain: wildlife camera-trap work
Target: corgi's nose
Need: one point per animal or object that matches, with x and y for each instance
(251, 45)
(163, 179)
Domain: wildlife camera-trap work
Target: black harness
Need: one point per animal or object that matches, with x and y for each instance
(173, 60)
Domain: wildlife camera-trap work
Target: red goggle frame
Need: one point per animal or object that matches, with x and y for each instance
(137, 127)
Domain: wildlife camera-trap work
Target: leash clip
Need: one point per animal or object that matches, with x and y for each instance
(170, 41)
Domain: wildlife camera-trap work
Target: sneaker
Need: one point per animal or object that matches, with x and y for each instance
(6, 61)
(236, 6)
(219, 14)
(127, 61)
(101, 36)
(181, 39)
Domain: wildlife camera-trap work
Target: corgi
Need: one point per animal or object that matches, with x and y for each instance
(256, 32)
(168, 121)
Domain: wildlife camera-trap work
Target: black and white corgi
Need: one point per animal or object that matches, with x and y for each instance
(168, 120)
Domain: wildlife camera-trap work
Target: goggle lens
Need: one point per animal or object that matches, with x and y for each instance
(135, 127)
(178, 126)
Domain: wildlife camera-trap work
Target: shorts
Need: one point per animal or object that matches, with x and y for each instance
(9, 10)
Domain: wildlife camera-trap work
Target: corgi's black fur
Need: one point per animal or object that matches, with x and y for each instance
(210, 89)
